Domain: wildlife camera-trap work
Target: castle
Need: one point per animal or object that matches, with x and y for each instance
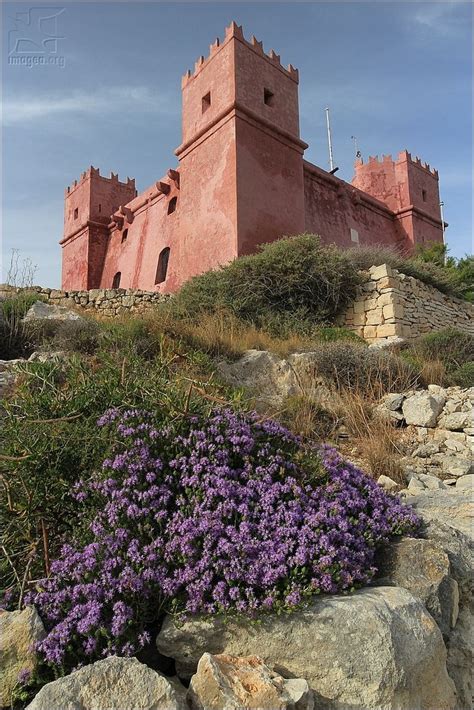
(241, 181)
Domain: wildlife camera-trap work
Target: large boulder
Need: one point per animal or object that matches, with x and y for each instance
(46, 311)
(377, 649)
(112, 684)
(460, 642)
(19, 631)
(230, 683)
(423, 567)
(452, 507)
(423, 408)
(269, 377)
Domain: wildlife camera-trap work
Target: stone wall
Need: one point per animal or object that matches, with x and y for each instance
(393, 305)
(107, 302)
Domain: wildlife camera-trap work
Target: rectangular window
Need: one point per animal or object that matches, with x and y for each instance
(268, 97)
(354, 236)
(206, 102)
(76, 213)
(423, 195)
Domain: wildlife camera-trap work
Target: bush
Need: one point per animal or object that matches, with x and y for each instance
(291, 285)
(49, 437)
(14, 339)
(216, 514)
(430, 272)
(450, 346)
(353, 366)
(464, 376)
(81, 336)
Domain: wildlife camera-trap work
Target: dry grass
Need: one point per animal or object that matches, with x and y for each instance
(223, 334)
(433, 372)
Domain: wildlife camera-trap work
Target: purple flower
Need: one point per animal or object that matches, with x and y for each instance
(213, 515)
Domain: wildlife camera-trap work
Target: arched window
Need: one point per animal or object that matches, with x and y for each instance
(116, 281)
(124, 235)
(162, 267)
(172, 205)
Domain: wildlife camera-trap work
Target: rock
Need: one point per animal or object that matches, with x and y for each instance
(377, 649)
(389, 342)
(424, 481)
(393, 401)
(19, 631)
(460, 644)
(422, 567)
(388, 484)
(425, 450)
(455, 466)
(112, 684)
(268, 376)
(225, 682)
(460, 648)
(456, 421)
(45, 311)
(465, 482)
(423, 408)
(47, 356)
(452, 507)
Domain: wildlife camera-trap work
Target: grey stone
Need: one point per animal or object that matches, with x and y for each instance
(45, 311)
(423, 408)
(224, 682)
(269, 377)
(423, 567)
(457, 421)
(378, 649)
(465, 482)
(388, 484)
(112, 684)
(457, 466)
(19, 631)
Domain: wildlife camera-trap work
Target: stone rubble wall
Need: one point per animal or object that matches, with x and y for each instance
(108, 302)
(393, 305)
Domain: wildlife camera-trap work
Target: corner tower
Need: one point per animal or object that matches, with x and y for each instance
(241, 156)
(410, 189)
(88, 204)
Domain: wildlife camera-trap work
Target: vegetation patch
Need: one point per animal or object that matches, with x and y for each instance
(222, 514)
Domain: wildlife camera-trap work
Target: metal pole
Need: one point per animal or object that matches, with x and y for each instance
(331, 160)
(356, 150)
(441, 205)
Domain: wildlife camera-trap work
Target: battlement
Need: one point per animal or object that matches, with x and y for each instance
(234, 31)
(93, 174)
(403, 157)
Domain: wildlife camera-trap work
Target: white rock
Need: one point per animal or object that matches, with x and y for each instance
(112, 684)
(46, 311)
(377, 649)
(465, 482)
(423, 408)
(388, 484)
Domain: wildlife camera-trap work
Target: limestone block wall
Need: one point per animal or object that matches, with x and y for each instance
(108, 302)
(391, 304)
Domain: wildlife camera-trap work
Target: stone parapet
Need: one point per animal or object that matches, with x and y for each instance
(108, 302)
(393, 305)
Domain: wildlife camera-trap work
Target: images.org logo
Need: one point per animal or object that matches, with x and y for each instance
(35, 37)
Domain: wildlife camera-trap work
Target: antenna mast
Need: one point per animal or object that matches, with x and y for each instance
(331, 159)
(357, 152)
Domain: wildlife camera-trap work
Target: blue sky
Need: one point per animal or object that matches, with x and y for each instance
(396, 75)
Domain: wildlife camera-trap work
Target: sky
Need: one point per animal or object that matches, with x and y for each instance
(106, 92)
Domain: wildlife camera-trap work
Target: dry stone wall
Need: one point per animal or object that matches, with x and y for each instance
(107, 302)
(393, 305)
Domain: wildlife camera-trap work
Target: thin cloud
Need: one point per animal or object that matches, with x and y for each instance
(441, 18)
(33, 108)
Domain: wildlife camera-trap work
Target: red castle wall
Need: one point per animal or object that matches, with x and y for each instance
(241, 181)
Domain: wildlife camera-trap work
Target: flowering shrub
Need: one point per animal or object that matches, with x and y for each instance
(219, 515)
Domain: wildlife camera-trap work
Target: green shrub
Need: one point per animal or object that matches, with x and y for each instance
(292, 285)
(14, 340)
(354, 367)
(450, 346)
(81, 336)
(49, 437)
(430, 264)
(464, 376)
